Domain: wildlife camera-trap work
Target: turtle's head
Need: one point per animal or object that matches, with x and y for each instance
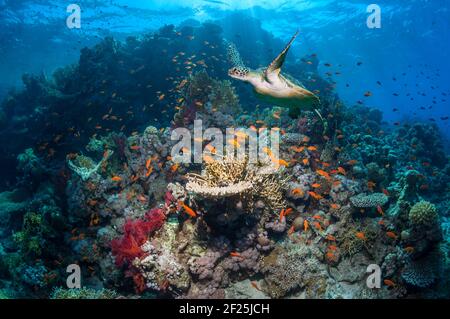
(239, 73)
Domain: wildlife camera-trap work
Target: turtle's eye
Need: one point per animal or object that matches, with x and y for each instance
(238, 71)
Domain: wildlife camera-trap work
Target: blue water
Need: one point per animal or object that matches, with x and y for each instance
(408, 55)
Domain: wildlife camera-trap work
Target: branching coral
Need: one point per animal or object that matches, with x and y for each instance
(237, 177)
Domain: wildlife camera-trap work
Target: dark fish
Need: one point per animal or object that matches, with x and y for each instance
(444, 118)
(394, 110)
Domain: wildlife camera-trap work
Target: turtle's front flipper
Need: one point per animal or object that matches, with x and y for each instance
(275, 67)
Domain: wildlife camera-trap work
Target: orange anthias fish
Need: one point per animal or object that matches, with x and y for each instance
(312, 148)
(337, 183)
(298, 149)
(409, 249)
(283, 163)
(317, 225)
(391, 235)
(288, 211)
(361, 235)
(147, 163)
(316, 185)
(335, 206)
(332, 247)
(291, 230)
(341, 170)
(149, 171)
(255, 285)
(305, 225)
(281, 215)
(315, 195)
(235, 254)
(187, 209)
(330, 237)
(298, 191)
(323, 173)
(174, 167)
(116, 178)
(389, 283)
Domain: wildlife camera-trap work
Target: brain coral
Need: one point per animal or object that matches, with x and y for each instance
(423, 213)
(367, 201)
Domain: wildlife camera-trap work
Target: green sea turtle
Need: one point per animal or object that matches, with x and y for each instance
(271, 86)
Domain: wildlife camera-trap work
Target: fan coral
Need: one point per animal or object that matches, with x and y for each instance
(423, 213)
(236, 177)
(136, 233)
(368, 201)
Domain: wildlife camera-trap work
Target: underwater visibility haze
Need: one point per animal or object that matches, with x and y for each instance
(225, 149)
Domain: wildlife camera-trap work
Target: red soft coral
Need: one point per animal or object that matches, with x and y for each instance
(136, 232)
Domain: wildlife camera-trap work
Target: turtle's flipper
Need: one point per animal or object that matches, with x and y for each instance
(275, 67)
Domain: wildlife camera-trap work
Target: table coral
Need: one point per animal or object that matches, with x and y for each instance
(369, 201)
(237, 177)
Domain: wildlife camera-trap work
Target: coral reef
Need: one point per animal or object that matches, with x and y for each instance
(97, 185)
